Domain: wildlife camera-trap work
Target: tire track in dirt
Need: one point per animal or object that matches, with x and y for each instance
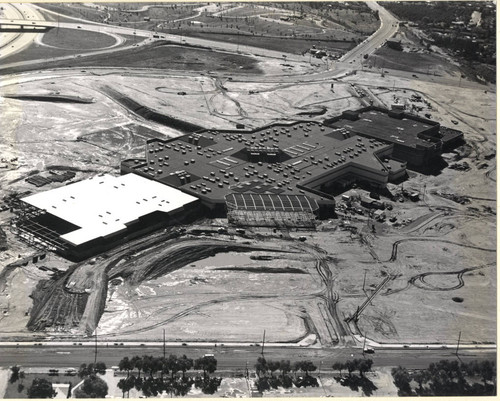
(420, 278)
(396, 244)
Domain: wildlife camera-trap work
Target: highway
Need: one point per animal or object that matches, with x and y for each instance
(221, 46)
(388, 27)
(233, 358)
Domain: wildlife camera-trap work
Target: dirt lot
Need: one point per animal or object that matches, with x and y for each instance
(217, 315)
(414, 62)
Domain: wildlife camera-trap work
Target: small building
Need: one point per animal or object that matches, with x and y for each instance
(394, 44)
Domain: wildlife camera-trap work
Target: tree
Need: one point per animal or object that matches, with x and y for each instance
(15, 373)
(100, 367)
(91, 369)
(351, 366)
(184, 364)
(487, 370)
(261, 366)
(148, 365)
(173, 365)
(273, 366)
(125, 364)
(402, 381)
(125, 385)
(93, 387)
(308, 366)
(364, 365)
(207, 363)
(137, 364)
(285, 367)
(421, 377)
(41, 388)
(338, 366)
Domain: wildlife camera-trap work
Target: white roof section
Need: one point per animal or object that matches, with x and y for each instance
(102, 205)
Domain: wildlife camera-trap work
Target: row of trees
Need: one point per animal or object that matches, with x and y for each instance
(161, 374)
(360, 365)
(274, 374)
(447, 378)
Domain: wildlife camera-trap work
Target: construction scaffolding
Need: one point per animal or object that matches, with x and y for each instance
(272, 218)
(26, 227)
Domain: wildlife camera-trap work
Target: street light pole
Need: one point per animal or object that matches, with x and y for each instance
(95, 353)
(458, 343)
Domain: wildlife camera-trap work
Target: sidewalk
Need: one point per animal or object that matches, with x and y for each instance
(4, 377)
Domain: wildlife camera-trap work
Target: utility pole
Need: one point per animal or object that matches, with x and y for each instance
(458, 343)
(263, 342)
(95, 353)
(163, 343)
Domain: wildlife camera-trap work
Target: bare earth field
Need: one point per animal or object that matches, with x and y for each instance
(446, 252)
(278, 303)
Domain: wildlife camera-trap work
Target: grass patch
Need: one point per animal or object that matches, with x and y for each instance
(74, 10)
(76, 39)
(38, 52)
(159, 55)
(288, 45)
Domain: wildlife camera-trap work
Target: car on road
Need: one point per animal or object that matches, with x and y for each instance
(79, 27)
(454, 122)
(368, 350)
(415, 76)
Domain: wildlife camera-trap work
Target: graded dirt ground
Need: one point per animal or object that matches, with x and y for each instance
(290, 305)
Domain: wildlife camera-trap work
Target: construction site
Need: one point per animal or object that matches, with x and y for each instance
(327, 205)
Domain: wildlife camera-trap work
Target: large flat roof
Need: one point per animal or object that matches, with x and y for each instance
(103, 205)
(216, 164)
(380, 125)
